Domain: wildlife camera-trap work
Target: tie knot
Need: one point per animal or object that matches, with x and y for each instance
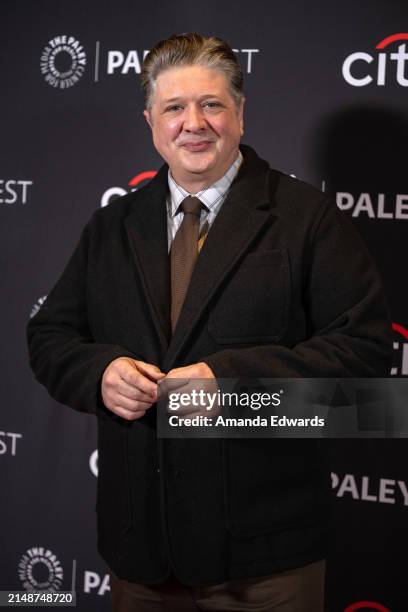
(191, 205)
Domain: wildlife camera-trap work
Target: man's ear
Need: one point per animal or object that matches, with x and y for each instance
(148, 117)
(241, 114)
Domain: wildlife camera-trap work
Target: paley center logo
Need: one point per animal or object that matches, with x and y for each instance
(40, 570)
(63, 61)
(386, 64)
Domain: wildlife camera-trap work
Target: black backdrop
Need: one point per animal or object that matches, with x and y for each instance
(326, 94)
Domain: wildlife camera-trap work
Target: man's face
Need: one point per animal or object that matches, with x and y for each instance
(196, 124)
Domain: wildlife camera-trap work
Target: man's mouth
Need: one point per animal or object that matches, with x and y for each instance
(196, 147)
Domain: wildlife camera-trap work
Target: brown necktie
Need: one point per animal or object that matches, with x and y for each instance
(184, 252)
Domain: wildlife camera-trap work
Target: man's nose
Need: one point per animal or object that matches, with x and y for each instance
(194, 119)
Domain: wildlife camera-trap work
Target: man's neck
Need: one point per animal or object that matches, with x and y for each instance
(194, 187)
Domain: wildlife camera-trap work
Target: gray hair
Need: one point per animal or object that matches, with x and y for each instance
(192, 49)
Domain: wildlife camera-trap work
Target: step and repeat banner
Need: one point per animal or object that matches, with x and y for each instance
(327, 101)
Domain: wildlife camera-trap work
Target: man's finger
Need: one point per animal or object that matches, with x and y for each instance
(132, 392)
(176, 373)
(137, 380)
(150, 370)
(131, 404)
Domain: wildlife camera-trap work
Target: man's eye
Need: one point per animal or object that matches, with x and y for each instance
(173, 108)
(212, 104)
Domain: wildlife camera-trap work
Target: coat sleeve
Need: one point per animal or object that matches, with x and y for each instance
(350, 333)
(63, 355)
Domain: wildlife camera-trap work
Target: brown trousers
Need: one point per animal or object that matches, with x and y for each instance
(297, 590)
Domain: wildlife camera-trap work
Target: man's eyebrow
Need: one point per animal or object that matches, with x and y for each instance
(212, 95)
(180, 98)
(174, 99)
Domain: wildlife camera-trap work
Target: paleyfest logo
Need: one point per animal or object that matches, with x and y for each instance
(63, 61)
(358, 72)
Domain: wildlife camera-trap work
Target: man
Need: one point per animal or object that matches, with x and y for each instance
(282, 287)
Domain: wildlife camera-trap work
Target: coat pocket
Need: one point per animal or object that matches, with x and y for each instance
(252, 305)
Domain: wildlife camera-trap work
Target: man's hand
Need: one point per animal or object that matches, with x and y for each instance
(196, 370)
(129, 387)
(196, 378)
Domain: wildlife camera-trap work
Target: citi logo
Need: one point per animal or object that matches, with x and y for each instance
(385, 66)
(400, 346)
(368, 606)
(137, 181)
(93, 463)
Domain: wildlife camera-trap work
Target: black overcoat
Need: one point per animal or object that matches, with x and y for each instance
(283, 287)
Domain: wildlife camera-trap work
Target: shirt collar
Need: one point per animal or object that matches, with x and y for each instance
(209, 196)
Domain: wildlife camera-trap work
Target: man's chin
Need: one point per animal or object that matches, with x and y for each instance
(203, 167)
(198, 162)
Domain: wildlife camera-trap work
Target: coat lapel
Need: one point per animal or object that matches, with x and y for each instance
(146, 227)
(245, 212)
